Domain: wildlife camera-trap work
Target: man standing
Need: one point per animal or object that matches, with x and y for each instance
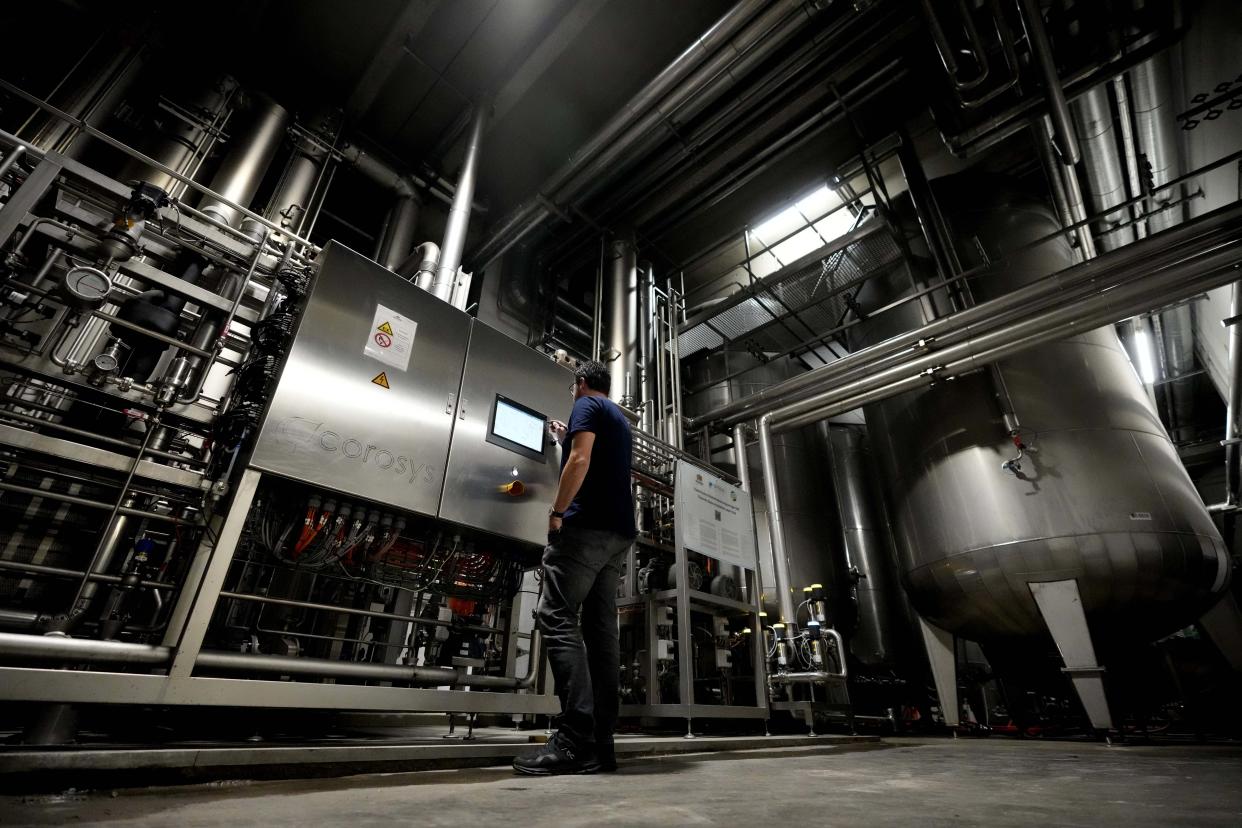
(590, 528)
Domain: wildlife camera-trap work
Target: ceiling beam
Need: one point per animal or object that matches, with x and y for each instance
(542, 56)
(409, 22)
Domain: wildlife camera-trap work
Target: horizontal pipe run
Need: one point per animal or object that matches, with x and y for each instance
(1052, 324)
(92, 504)
(428, 622)
(81, 650)
(61, 572)
(322, 667)
(1165, 247)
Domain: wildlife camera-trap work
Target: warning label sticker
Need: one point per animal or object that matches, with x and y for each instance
(390, 340)
(381, 379)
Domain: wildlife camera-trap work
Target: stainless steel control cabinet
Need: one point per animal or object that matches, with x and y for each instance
(390, 394)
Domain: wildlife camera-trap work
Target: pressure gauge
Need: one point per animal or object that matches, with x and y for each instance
(85, 288)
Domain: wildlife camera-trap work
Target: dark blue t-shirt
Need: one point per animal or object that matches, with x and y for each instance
(606, 500)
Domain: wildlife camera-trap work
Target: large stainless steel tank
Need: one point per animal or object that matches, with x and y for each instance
(808, 511)
(1104, 500)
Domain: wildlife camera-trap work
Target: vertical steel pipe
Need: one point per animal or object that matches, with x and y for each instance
(400, 229)
(1234, 409)
(459, 213)
(1102, 164)
(1064, 136)
(621, 311)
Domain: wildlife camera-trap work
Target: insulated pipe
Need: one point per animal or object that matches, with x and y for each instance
(1221, 225)
(91, 89)
(1063, 125)
(400, 228)
(420, 266)
(621, 311)
(776, 529)
(459, 214)
(250, 154)
(740, 461)
(1105, 183)
(290, 202)
(684, 78)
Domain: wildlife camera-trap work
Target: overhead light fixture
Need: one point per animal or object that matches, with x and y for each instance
(1144, 350)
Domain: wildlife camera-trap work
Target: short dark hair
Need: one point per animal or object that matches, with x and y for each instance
(596, 376)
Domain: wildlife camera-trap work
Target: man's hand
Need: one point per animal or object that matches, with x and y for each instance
(557, 429)
(554, 524)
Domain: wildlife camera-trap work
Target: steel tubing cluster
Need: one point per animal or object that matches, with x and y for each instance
(1061, 289)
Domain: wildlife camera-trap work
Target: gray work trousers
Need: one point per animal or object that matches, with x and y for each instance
(581, 569)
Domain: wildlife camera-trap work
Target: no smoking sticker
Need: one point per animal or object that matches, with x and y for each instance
(391, 338)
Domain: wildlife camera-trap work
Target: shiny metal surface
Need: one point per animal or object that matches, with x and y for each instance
(1104, 498)
(400, 228)
(459, 213)
(174, 148)
(477, 469)
(866, 544)
(250, 153)
(1106, 186)
(331, 425)
(621, 312)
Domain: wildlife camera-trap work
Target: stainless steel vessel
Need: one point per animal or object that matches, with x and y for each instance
(1101, 497)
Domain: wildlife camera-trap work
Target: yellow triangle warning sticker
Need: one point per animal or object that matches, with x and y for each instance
(386, 328)
(382, 380)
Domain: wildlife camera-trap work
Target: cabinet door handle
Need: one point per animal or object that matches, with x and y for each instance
(461, 409)
(448, 404)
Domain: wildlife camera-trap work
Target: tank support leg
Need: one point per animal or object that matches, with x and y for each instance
(1223, 624)
(1061, 606)
(943, 658)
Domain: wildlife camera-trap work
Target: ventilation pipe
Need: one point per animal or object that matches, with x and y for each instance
(420, 266)
(442, 284)
(397, 240)
(252, 153)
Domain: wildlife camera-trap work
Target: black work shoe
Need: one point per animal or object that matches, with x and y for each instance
(557, 756)
(605, 760)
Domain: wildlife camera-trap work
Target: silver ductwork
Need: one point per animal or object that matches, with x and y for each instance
(443, 283)
(400, 229)
(1106, 186)
(420, 266)
(249, 156)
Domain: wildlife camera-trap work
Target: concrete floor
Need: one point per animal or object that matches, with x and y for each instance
(902, 782)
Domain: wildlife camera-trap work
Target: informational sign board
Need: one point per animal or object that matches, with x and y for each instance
(391, 339)
(714, 517)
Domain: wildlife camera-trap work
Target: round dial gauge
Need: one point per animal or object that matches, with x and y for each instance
(86, 288)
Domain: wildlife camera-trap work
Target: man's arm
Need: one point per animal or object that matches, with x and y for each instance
(573, 474)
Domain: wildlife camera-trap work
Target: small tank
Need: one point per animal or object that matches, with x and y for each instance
(1100, 497)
